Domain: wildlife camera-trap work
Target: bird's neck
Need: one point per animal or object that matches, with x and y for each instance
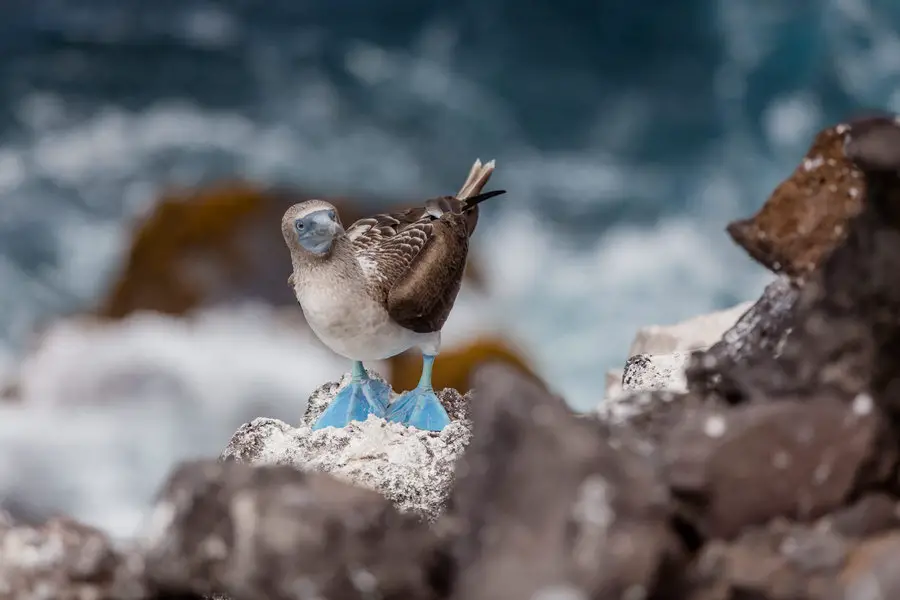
(338, 263)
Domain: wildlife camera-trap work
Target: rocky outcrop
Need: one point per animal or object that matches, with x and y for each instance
(777, 481)
(696, 333)
(273, 532)
(659, 354)
(64, 560)
(411, 468)
(807, 214)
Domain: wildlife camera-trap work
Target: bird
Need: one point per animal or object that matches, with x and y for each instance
(381, 286)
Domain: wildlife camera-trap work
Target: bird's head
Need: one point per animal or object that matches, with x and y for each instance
(311, 227)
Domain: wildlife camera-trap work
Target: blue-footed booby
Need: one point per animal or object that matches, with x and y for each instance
(381, 286)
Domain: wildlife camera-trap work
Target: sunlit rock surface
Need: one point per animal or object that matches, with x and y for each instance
(410, 467)
(696, 333)
(808, 213)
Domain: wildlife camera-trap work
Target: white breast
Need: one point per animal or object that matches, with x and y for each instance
(353, 325)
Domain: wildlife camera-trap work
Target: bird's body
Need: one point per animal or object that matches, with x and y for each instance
(385, 284)
(342, 313)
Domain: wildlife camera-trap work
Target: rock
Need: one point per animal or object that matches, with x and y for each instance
(871, 570)
(275, 533)
(660, 372)
(697, 333)
(756, 339)
(872, 514)
(551, 505)
(734, 468)
(64, 560)
(847, 329)
(782, 561)
(807, 214)
(414, 469)
(651, 414)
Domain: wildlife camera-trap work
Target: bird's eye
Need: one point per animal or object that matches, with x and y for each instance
(299, 225)
(331, 215)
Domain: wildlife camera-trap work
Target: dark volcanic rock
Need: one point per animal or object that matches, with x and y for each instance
(747, 465)
(272, 533)
(807, 214)
(847, 336)
(840, 334)
(782, 561)
(551, 503)
(755, 340)
(64, 560)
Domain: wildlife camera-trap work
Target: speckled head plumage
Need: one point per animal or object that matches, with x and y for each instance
(310, 229)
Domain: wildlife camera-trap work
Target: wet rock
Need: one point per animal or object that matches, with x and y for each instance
(273, 533)
(734, 468)
(807, 214)
(655, 372)
(64, 560)
(696, 333)
(412, 468)
(755, 340)
(553, 504)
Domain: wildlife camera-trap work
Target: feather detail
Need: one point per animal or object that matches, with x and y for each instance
(413, 259)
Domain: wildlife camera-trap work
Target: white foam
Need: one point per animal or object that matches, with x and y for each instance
(579, 310)
(108, 409)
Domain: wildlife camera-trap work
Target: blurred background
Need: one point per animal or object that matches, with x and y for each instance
(148, 150)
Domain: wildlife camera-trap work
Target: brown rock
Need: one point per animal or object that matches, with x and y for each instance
(64, 560)
(872, 514)
(550, 503)
(847, 330)
(650, 413)
(276, 533)
(807, 214)
(744, 466)
(755, 341)
(872, 570)
(782, 561)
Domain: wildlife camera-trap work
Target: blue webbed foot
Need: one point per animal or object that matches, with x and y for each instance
(359, 399)
(419, 408)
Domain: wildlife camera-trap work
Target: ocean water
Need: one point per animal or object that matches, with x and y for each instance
(627, 136)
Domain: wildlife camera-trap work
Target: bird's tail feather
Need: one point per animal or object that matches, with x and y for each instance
(477, 179)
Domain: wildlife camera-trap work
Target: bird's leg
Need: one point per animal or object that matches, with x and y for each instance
(420, 408)
(362, 397)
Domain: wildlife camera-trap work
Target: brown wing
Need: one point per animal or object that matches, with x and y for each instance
(414, 259)
(422, 297)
